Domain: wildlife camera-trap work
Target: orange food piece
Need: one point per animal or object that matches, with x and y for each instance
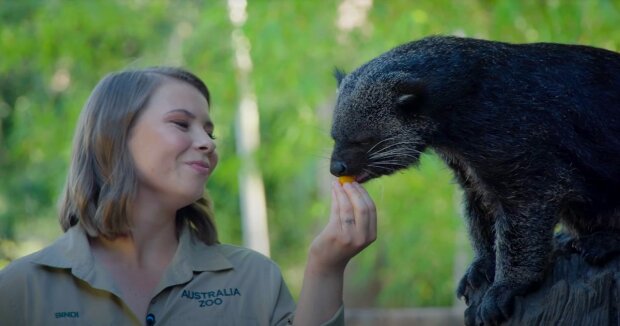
(346, 179)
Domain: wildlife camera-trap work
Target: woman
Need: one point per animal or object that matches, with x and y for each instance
(140, 244)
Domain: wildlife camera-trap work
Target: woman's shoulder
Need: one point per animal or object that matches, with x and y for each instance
(239, 255)
(33, 264)
(20, 269)
(16, 288)
(240, 252)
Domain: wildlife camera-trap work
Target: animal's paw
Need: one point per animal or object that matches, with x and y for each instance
(470, 315)
(497, 305)
(481, 272)
(597, 248)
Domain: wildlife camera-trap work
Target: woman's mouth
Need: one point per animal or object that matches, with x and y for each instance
(199, 166)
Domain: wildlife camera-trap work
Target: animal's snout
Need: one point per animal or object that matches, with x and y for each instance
(338, 168)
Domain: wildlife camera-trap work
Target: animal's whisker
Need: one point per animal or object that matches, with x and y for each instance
(386, 162)
(390, 165)
(378, 143)
(399, 144)
(393, 154)
(396, 147)
(373, 174)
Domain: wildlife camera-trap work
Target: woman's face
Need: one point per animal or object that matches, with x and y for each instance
(172, 145)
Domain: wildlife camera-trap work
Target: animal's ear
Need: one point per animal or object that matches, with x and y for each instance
(410, 92)
(339, 74)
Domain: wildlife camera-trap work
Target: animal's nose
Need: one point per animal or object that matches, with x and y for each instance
(338, 168)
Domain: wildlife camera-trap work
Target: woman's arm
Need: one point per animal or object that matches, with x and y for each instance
(351, 228)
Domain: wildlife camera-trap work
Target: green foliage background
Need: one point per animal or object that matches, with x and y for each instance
(53, 52)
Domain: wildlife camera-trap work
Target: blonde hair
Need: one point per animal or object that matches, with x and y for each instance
(102, 183)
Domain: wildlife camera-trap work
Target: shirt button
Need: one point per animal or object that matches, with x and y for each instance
(150, 319)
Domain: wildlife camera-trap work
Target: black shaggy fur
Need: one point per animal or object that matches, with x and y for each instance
(531, 131)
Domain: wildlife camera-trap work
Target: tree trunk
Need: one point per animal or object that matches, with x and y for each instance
(251, 187)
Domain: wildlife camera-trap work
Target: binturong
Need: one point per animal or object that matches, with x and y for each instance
(531, 132)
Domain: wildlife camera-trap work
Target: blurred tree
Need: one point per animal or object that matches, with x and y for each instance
(49, 66)
(252, 191)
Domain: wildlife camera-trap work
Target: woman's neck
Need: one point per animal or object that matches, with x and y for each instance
(151, 242)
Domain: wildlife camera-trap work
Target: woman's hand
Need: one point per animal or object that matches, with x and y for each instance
(352, 227)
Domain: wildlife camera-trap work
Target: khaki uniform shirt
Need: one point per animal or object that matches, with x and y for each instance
(204, 285)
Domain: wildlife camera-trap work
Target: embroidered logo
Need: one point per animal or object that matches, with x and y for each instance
(210, 298)
(67, 314)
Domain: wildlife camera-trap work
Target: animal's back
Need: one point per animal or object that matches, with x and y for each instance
(554, 106)
(572, 94)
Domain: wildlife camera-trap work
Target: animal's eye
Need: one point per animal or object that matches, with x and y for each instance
(362, 143)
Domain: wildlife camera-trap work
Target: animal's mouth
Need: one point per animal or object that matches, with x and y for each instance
(359, 178)
(363, 177)
(364, 164)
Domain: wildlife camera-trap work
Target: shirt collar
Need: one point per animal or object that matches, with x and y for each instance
(192, 255)
(199, 256)
(72, 250)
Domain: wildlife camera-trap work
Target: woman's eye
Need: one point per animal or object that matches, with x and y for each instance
(181, 124)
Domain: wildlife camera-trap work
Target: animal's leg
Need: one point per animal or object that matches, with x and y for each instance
(523, 248)
(598, 247)
(482, 270)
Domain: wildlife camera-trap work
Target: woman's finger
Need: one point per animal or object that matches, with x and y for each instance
(365, 196)
(372, 210)
(334, 212)
(360, 207)
(345, 209)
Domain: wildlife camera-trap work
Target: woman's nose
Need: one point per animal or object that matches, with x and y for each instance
(204, 142)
